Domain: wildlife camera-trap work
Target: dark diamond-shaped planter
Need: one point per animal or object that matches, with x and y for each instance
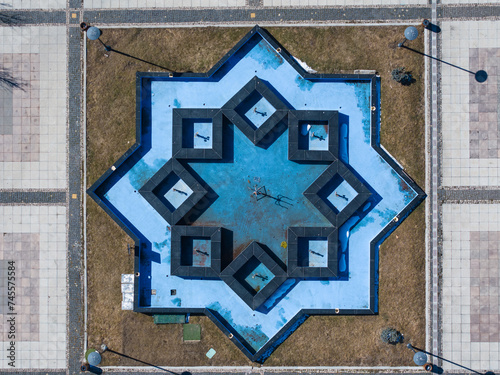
(182, 119)
(298, 153)
(183, 252)
(238, 275)
(150, 191)
(337, 170)
(296, 267)
(253, 90)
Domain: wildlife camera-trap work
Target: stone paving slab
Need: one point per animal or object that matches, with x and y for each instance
(34, 238)
(470, 295)
(25, 17)
(34, 4)
(466, 2)
(34, 155)
(29, 197)
(254, 16)
(469, 107)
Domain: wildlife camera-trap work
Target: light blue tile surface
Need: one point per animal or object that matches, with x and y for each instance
(202, 134)
(259, 277)
(318, 253)
(178, 194)
(260, 112)
(202, 253)
(342, 195)
(318, 137)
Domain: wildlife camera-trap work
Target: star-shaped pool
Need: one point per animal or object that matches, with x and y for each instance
(257, 194)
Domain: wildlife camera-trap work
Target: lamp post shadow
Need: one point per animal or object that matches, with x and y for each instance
(439, 370)
(147, 363)
(93, 33)
(111, 49)
(480, 75)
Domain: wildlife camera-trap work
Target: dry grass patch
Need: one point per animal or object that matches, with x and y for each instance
(321, 340)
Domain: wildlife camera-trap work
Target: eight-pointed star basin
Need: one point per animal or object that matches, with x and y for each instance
(264, 220)
(257, 332)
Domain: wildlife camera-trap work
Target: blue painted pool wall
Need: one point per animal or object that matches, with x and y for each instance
(375, 243)
(123, 165)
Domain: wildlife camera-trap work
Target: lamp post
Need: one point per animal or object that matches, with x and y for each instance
(411, 33)
(94, 33)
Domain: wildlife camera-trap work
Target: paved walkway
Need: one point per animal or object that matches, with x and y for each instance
(40, 160)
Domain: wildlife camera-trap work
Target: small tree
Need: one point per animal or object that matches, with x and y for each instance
(400, 75)
(391, 336)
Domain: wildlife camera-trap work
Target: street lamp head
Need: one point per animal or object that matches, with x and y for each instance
(411, 33)
(420, 358)
(94, 358)
(93, 33)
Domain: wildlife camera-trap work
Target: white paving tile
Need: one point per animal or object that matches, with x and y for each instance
(458, 168)
(459, 220)
(47, 350)
(34, 4)
(48, 170)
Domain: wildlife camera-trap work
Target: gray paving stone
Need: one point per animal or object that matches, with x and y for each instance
(469, 194)
(75, 266)
(32, 197)
(244, 15)
(20, 17)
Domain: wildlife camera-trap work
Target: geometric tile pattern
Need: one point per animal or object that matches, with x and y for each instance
(484, 283)
(21, 140)
(35, 155)
(24, 250)
(314, 3)
(244, 270)
(35, 4)
(254, 92)
(296, 268)
(152, 191)
(468, 107)
(470, 297)
(484, 103)
(326, 183)
(35, 238)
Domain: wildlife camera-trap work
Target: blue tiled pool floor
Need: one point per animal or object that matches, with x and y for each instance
(238, 209)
